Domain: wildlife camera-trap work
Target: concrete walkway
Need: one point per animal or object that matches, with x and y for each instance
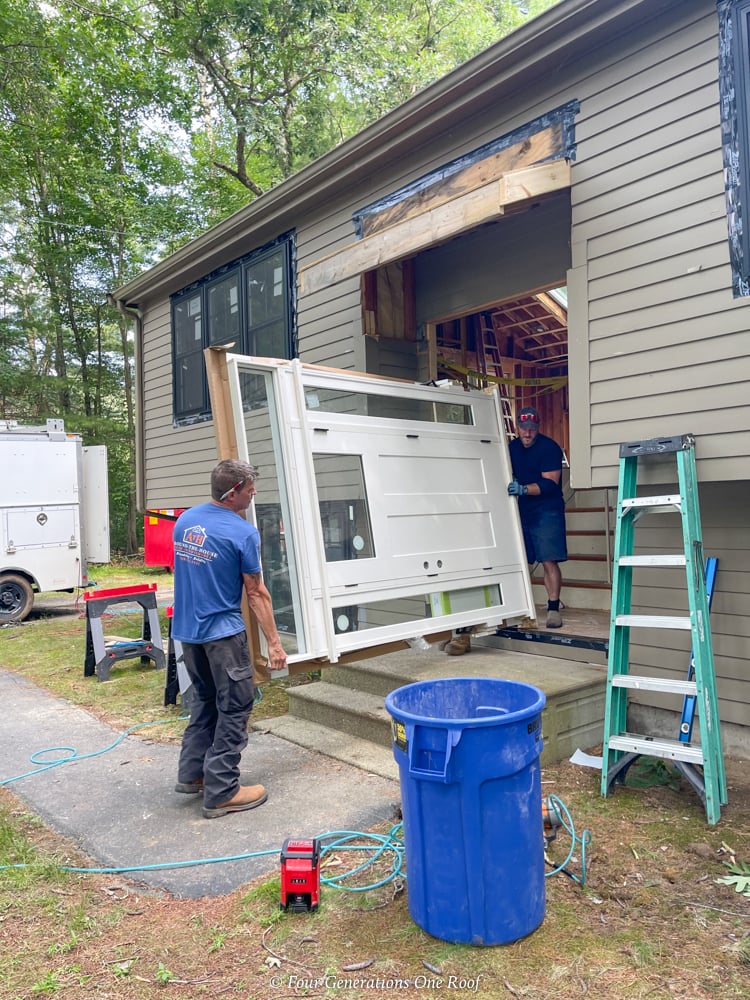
(120, 808)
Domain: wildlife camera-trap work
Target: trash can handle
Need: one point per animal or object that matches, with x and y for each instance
(431, 762)
(495, 709)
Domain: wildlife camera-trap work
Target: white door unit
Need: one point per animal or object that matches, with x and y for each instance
(382, 506)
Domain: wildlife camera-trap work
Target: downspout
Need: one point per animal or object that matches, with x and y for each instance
(134, 313)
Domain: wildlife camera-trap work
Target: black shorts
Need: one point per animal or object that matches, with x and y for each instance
(544, 537)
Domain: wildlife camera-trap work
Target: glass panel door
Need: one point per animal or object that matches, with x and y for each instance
(270, 508)
(382, 506)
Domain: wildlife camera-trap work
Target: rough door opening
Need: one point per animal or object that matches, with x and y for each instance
(521, 344)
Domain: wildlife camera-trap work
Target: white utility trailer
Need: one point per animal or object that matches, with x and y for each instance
(54, 513)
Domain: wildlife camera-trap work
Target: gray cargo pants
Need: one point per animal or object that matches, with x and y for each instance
(220, 705)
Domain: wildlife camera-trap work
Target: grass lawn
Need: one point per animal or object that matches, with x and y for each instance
(652, 922)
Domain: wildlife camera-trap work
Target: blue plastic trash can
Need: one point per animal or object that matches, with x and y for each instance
(467, 750)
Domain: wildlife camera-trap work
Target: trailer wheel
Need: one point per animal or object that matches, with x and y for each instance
(16, 598)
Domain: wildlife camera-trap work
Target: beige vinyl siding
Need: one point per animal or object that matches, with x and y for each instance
(325, 232)
(668, 347)
(725, 518)
(180, 469)
(157, 351)
(328, 326)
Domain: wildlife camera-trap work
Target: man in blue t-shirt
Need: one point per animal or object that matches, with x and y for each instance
(217, 556)
(537, 474)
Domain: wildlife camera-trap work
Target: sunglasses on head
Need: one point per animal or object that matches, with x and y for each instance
(231, 489)
(528, 418)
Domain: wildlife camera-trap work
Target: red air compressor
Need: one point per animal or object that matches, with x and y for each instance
(300, 875)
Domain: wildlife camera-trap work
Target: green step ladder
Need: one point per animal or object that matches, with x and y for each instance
(701, 763)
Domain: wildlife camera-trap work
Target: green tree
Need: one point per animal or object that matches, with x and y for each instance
(94, 191)
(280, 82)
(127, 127)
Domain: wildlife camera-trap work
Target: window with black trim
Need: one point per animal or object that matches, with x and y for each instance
(734, 85)
(249, 303)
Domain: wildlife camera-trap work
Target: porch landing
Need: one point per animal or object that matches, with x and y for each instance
(343, 715)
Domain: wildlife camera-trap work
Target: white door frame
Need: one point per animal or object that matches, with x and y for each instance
(443, 547)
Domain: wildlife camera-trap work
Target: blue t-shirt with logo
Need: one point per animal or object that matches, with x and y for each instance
(213, 547)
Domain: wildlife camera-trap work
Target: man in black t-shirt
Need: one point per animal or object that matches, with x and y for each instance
(537, 474)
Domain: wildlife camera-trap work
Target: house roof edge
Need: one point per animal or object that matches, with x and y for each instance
(570, 22)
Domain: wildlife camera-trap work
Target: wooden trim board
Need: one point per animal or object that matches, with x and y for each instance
(465, 212)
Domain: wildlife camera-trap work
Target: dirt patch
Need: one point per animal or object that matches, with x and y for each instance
(650, 922)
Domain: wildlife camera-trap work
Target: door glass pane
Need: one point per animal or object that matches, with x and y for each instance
(272, 508)
(379, 614)
(387, 407)
(344, 514)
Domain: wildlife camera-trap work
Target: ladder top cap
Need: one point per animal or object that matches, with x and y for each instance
(657, 446)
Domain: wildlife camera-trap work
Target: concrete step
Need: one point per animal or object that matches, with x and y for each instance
(371, 757)
(345, 711)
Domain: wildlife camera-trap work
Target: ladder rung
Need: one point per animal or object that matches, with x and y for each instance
(653, 560)
(653, 621)
(675, 500)
(668, 749)
(663, 684)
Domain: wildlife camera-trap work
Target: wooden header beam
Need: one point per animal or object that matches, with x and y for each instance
(541, 147)
(465, 212)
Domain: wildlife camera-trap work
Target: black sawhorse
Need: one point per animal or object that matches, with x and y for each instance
(101, 651)
(177, 680)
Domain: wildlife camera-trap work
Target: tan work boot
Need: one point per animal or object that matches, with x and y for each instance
(189, 787)
(247, 797)
(459, 644)
(554, 619)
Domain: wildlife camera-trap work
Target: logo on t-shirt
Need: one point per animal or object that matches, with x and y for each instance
(192, 547)
(194, 536)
